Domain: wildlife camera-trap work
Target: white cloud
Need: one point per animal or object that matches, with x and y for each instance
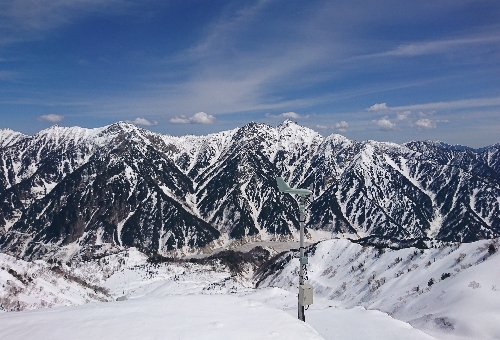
(142, 121)
(51, 118)
(197, 118)
(342, 126)
(180, 120)
(403, 115)
(385, 124)
(425, 124)
(321, 127)
(378, 107)
(290, 114)
(435, 47)
(202, 118)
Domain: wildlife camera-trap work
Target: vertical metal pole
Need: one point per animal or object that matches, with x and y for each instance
(302, 208)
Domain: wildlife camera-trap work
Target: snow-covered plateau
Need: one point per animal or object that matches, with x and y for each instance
(447, 291)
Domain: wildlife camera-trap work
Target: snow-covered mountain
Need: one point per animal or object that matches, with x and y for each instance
(75, 191)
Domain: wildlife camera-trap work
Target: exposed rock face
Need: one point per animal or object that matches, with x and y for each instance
(75, 190)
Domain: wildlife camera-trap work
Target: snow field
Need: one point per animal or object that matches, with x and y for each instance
(360, 293)
(170, 317)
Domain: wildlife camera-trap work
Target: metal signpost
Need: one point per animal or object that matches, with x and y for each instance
(305, 290)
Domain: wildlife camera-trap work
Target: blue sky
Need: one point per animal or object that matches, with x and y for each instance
(386, 70)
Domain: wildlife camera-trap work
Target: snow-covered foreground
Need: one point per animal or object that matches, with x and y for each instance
(360, 293)
(170, 317)
(200, 316)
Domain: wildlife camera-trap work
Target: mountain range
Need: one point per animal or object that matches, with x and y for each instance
(71, 191)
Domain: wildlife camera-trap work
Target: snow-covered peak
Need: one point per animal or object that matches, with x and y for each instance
(123, 127)
(289, 126)
(254, 129)
(120, 131)
(291, 135)
(9, 137)
(287, 123)
(58, 134)
(337, 139)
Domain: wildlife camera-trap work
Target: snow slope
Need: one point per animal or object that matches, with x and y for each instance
(32, 285)
(190, 301)
(332, 321)
(360, 293)
(461, 302)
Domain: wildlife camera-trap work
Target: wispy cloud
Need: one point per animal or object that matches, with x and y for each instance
(385, 124)
(223, 30)
(456, 104)
(197, 118)
(51, 118)
(26, 19)
(230, 71)
(435, 47)
(142, 121)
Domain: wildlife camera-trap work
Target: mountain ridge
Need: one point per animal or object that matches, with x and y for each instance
(73, 191)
